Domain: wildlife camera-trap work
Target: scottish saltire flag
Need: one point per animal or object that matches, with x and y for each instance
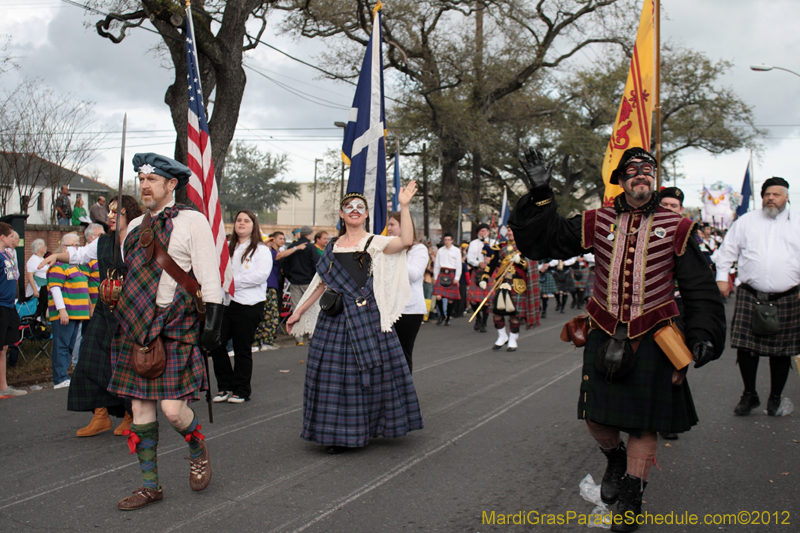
(396, 184)
(202, 188)
(635, 114)
(747, 190)
(504, 212)
(364, 148)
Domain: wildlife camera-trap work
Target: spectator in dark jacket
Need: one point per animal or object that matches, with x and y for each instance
(299, 265)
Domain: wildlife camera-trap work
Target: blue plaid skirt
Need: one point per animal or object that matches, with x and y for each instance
(343, 406)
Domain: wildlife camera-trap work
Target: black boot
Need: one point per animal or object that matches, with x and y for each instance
(563, 303)
(477, 324)
(630, 504)
(612, 479)
(574, 300)
(544, 307)
(484, 318)
(440, 309)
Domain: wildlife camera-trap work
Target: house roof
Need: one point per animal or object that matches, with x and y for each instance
(34, 171)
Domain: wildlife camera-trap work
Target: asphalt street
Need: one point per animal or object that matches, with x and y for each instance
(501, 436)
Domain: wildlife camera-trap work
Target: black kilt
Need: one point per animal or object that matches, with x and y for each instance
(785, 342)
(644, 400)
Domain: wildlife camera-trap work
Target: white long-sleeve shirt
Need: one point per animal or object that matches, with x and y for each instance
(250, 277)
(767, 249)
(417, 262)
(448, 258)
(475, 252)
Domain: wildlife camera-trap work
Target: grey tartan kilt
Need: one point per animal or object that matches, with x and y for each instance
(785, 342)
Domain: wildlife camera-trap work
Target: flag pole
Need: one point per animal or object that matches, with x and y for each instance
(657, 96)
(752, 181)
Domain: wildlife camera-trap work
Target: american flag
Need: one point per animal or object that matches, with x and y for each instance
(202, 189)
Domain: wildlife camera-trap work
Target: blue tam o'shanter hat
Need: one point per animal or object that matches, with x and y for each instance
(150, 163)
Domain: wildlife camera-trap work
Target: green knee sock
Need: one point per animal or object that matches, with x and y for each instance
(146, 450)
(193, 437)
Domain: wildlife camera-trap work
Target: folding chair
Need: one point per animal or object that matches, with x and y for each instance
(34, 329)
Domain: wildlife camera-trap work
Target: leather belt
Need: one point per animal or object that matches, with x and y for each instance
(769, 296)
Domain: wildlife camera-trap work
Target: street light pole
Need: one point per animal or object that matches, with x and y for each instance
(767, 68)
(314, 209)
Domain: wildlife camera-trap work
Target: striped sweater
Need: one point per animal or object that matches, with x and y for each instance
(74, 290)
(92, 273)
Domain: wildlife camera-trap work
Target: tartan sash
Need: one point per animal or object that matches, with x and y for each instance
(362, 321)
(137, 304)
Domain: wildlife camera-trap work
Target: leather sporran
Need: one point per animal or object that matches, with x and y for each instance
(616, 358)
(445, 280)
(151, 360)
(765, 320)
(576, 331)
(331, 302)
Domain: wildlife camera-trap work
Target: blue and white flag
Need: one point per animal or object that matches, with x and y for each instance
(504, 212)
(747, 190)
(364, 148)
(396, 184)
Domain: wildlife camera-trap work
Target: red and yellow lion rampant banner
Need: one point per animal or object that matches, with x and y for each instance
(634, 118)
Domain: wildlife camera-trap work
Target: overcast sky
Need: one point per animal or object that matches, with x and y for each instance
(51, 39)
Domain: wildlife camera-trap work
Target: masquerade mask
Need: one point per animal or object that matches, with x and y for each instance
(634, 169)
(357, 206)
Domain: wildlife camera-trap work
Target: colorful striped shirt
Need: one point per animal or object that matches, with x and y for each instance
(92, 273)
(74, 287)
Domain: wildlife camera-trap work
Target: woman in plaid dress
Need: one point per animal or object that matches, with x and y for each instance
(358, 385)
(87, 390)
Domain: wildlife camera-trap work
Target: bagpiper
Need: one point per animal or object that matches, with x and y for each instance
(516, 295)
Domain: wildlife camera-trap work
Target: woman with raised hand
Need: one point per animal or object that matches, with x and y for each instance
(358, 385)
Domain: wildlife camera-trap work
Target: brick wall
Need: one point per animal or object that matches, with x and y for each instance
(51, 234)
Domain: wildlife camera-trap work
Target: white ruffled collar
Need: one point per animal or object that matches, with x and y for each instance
(358, 248)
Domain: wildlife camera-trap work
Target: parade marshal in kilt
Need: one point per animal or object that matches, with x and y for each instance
(479, 254)
(627, 383)
(88, 389)
(766, 244)
(517, 296)
(154, 305)
(446, 272)
(358, 385)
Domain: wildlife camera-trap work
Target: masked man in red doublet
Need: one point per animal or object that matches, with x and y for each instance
(628, 384)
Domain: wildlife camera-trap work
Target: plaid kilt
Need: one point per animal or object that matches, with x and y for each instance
(451, 292)
(785, 342)
(474, 292)
(547, 285)
(337, 409)
(527, 304)
(184, 376)
(88, 389)
(644, 400)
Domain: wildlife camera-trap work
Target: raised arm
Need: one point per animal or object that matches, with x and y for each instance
(406, 238)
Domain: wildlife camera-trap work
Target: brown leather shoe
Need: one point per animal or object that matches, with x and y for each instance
(125, 424)
(100, 422)
(140, 498)
(200, 470)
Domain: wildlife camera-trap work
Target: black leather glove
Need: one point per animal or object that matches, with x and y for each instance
(536, 169)
(212, 338)
(702, 353)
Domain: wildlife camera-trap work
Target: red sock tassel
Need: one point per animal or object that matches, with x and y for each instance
(133, 440)
(196, 434)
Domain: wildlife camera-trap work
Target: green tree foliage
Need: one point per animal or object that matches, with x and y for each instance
(252, 180)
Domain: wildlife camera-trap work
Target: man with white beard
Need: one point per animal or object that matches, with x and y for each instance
(766, 244)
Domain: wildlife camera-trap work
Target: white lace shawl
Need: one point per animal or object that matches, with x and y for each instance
(390, 285)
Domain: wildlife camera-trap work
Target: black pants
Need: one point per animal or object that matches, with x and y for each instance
(239, 323)
(407, 327)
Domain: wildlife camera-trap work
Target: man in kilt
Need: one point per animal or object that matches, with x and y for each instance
(154, 305)
(446, 272)
(517, 296)
(628, 384)
(766, 243)
(478, 256)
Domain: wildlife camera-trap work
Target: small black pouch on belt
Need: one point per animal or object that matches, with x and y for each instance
(765, 319)
(616, 358)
